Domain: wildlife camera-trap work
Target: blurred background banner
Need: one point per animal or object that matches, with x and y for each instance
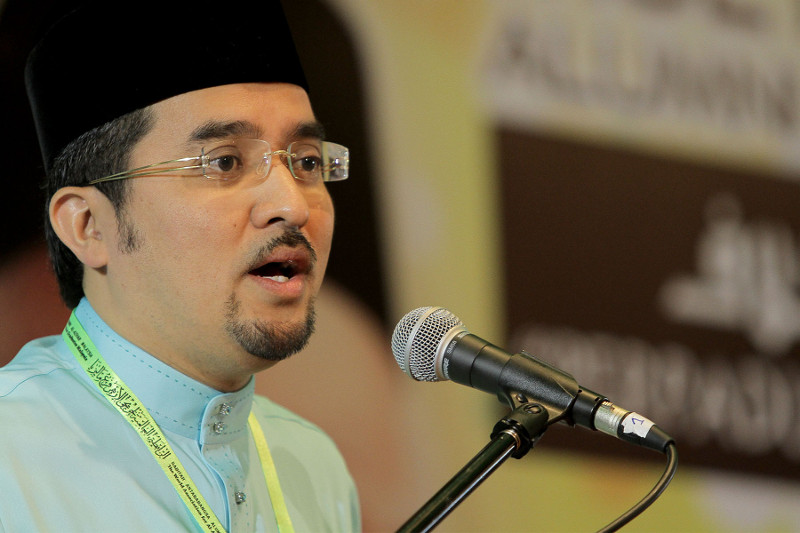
(713, 80)
(648, 162)
(609, 185)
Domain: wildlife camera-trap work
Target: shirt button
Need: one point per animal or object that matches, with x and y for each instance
(224, 409)
(239, 497)
(218, 427)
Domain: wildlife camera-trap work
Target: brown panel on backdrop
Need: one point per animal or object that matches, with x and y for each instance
(669, 286)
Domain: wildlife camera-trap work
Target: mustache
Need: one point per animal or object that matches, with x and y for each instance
(290, 239)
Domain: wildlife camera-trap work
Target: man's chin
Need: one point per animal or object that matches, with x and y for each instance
(272, 341)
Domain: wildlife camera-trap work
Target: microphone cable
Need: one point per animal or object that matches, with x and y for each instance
(669, 472)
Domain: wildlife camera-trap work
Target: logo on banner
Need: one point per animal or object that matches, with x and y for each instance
(746, 280)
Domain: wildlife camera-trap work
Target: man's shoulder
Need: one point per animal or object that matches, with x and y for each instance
(285, 429)
(34, 366)
(43, 399)
(310, 462)
(273, 413)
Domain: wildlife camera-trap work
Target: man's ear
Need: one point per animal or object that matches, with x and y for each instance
(80, 218)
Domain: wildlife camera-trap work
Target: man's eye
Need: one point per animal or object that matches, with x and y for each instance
(226, 163)
(309, 163)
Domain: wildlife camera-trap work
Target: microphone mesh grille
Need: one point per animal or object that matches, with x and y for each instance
(417, 337)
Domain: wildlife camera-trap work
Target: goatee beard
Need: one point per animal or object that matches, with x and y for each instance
(267, 340)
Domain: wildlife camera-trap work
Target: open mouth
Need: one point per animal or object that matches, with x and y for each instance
(280, 271)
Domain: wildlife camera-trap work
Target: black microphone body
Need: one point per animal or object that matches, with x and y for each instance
(431, 344)
(470, 360)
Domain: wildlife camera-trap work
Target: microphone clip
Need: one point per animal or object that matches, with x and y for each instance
(526, 424)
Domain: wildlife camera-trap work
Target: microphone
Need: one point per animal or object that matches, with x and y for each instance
(432, 344)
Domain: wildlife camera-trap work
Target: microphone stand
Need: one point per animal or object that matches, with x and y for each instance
(513, 436)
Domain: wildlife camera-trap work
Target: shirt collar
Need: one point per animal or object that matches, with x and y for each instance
(176, 402)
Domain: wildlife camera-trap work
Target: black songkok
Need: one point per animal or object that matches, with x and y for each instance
(112, 57)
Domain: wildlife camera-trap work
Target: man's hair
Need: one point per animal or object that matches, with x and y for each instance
(100, 152)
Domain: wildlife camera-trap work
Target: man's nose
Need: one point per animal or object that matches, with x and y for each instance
(282, 199)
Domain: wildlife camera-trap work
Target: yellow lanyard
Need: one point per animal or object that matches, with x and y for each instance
(124, 400)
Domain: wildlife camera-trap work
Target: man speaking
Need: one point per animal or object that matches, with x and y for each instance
(189, 226)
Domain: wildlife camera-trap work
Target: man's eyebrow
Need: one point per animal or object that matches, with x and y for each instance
(309, 130)
(214, 129)
(221, 130)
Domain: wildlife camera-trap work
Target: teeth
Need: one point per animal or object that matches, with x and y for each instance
(279, 279)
